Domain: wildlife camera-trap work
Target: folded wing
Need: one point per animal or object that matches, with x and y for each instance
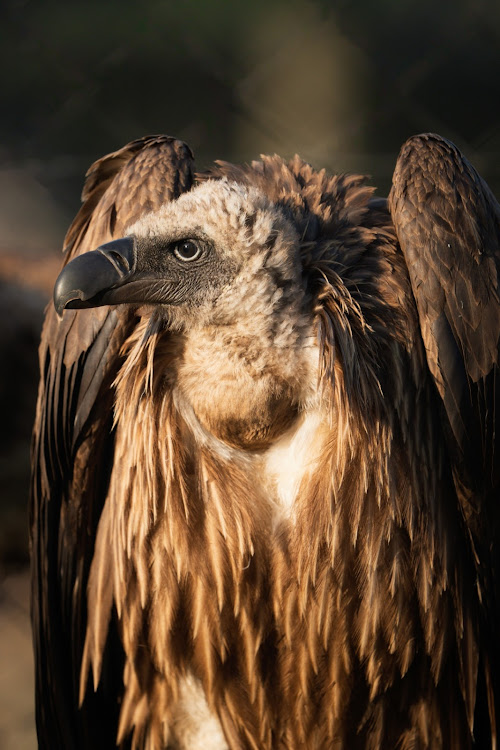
(72, 449)
(448, 225)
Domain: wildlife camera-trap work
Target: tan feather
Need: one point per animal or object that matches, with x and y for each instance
(286, 542)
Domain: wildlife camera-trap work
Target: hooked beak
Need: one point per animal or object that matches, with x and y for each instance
(95, 278)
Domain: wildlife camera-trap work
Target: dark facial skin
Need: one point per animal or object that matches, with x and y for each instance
(138, 270)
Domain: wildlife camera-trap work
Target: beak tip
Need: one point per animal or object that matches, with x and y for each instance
(62, 294)
(61, 302)
(86, 279)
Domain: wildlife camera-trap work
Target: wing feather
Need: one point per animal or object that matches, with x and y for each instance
(448, 226)
(72, 448)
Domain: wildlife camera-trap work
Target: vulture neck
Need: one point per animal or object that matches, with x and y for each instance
(246, 383)
(254, 403)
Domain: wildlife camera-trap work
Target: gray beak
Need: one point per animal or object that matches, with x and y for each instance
(90, 279)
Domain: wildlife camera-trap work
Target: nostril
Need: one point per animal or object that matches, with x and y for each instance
(121, 263)
(121, 254)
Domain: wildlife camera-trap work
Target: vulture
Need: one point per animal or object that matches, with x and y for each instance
(265, 479)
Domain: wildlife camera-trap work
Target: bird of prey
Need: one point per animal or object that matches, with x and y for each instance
(265, 477)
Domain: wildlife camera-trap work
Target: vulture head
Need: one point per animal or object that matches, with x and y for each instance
(219, 253)
(221, 264)
(265, 495)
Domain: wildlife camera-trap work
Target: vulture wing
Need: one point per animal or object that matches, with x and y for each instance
(72, 449)
(448, 226)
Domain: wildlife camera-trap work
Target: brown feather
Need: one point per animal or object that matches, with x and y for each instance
(285, 550)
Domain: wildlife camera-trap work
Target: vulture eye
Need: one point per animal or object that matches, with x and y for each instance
(187, 250)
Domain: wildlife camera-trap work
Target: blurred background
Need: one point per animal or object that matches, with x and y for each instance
(341, 83)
